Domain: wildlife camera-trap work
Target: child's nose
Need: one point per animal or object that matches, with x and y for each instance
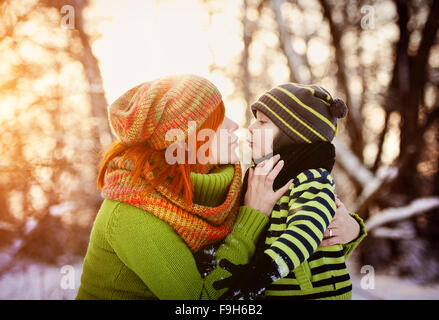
(250, 128)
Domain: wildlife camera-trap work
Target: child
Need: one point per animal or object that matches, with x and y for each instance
(288, 262)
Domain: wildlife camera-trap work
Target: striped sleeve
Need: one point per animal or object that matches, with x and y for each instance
(311, 209)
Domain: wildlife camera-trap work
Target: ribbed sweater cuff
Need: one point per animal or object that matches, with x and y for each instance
(250, 222)
(349, 247)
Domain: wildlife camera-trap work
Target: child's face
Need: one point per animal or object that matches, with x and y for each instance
(262, 133)
(225, 143)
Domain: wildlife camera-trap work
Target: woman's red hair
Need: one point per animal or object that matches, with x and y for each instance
(147, 159)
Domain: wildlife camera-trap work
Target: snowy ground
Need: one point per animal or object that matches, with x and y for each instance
(35, 281)
(392, 288)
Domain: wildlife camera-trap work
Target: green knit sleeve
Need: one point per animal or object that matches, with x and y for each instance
(238, 247)
(162, 260)
(350, 246)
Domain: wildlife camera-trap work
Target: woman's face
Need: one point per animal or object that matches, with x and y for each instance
(225, 143)
(262, 133)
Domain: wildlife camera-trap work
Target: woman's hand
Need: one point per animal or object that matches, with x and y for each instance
(342, 229)
(260, 195)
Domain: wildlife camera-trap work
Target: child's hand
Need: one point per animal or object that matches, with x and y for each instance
(260, 195)
(342, 229)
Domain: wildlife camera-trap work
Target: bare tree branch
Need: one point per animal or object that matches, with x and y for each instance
(397, 214)
(432, 116)
(295, 61)
(428, 38)
(395, 233)
(353, 116)
(9, 30)
(91, 66)
(381, 139)
(353, 167)
(383, 176)
(247, 34)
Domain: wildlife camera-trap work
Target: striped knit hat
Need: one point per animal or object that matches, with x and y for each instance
(146, 112)
(305, 113)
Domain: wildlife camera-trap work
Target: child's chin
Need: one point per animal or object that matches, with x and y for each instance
(257, 155)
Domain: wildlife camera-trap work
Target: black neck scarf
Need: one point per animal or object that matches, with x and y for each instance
(298, 158)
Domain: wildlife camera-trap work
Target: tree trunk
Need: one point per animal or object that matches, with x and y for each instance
(95, 83)
(247, 37)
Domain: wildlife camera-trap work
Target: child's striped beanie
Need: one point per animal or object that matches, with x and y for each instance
(305, 113)
(148, 111)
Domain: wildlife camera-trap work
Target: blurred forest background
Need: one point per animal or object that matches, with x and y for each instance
(63, 62)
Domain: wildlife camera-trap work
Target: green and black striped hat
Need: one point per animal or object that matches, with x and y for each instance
(305, 113)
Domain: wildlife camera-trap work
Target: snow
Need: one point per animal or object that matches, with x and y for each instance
(38, 281)
(282, 267)
(383, 175)
(406, 232)
(30, 225)
(274, 278)
(7, 226)
(353, 165)
(28, 280)
(393, 288)
(210, 252)
(7, 255)
(60, 209)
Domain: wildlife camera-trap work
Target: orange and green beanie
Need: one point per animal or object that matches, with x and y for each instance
(146, 112)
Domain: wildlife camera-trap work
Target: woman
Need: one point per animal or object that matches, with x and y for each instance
(157, 216)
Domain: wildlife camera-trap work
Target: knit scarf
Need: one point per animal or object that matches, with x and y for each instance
(304, 156)
(198, 225)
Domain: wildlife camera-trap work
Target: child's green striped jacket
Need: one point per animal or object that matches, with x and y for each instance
(297, 225)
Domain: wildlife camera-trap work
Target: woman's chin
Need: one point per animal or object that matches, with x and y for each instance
(226, 159)
(234, 159)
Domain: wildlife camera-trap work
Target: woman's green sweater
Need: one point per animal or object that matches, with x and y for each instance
(132, 254)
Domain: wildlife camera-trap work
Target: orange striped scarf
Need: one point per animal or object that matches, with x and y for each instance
(197, 225)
